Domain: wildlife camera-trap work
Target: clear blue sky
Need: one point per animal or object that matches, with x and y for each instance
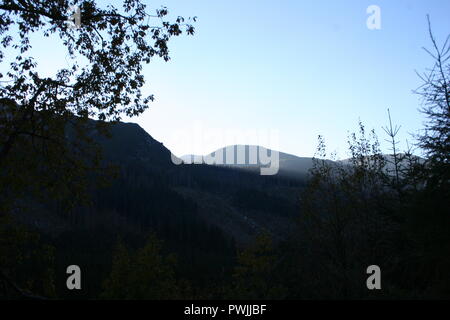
(300, 67)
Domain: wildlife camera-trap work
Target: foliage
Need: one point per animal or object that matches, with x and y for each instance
(255, 275)
(145, 274)
(435, 138)
(26, 262)
(45, 135)
(347, 221)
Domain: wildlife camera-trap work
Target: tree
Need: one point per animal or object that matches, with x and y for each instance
(429, 221)
(103, 79)
(144, 274)
(115, 284)
(255, 274)
(396, 160)
(347, 222)
(27, 266)
(435, 94)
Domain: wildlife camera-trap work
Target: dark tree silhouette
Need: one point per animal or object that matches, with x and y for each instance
(106, 49)
(435, 94)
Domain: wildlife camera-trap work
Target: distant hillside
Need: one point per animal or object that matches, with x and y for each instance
(289, 165)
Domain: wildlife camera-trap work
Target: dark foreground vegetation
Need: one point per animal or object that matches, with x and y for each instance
(160, 231)
(105, 196)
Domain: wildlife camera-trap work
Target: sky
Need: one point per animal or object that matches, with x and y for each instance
(287, 70)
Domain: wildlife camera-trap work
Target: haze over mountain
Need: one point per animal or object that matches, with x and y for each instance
(248, 157)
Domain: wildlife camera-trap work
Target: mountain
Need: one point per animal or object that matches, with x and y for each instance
(200, 212)
(151, 192)
(289, 165)
(253, 158)
(129, 142)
